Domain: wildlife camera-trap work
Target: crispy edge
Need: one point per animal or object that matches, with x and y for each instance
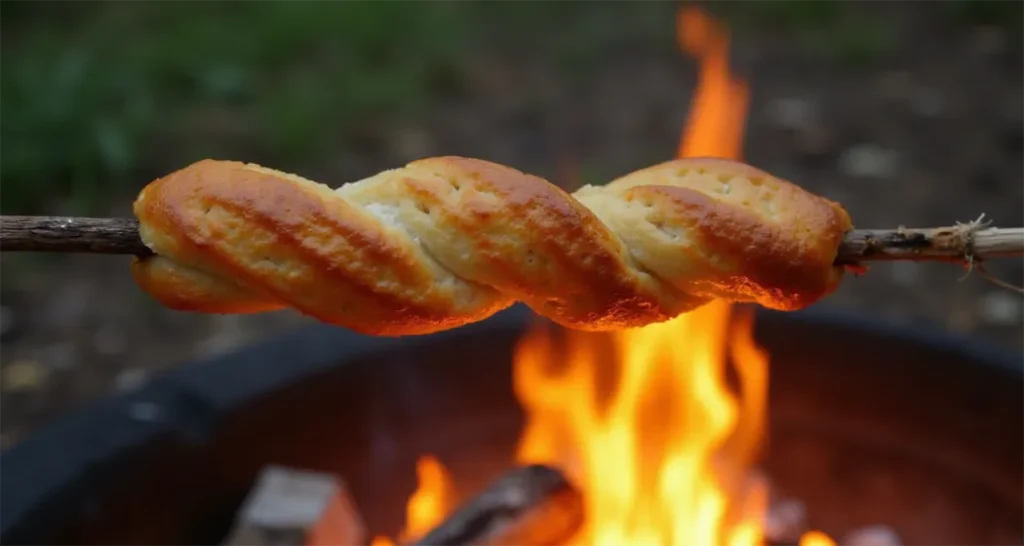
(187, 289)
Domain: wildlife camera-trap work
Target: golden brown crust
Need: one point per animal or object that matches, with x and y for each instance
(446, 241)
(773, 242)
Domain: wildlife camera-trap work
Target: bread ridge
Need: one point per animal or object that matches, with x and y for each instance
(446, 241)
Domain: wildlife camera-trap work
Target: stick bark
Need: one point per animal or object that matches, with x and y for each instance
(946, 244)
(71, 235)
(960, 243)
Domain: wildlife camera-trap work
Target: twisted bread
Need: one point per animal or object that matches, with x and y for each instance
(447, 241)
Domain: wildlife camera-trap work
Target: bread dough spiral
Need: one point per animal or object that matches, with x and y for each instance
(447, 241)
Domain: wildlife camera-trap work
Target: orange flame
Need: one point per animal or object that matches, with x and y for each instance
(648, 456)
(428, 505)
(816, 538)
(718, 112)
(644, 421)
(665, 457)
(431, 500)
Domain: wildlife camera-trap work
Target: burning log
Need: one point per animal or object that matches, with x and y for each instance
(290, 507)
(536, 505)
(533, 505)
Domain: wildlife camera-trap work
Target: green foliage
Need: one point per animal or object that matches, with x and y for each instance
(575, 36)
(827, 27)
(63, 120)
(110, 94)
(87, 103)
(859, 42)
(99, 97)
(1007, 14)
(795, 14)
(851, 41)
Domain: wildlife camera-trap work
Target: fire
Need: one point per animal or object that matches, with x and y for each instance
(431, 500)
(428, 505)
(665, 457)
(718, 112)
(816, 538)
(644, 421)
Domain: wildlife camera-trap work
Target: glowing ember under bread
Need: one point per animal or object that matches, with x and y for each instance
(447, 241)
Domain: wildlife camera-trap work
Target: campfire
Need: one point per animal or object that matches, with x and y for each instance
(648, 436)
(643, 421)
(645, 436)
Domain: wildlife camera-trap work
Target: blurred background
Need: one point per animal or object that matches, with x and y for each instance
(907, 113)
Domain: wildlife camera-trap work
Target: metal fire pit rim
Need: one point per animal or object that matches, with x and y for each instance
(74, 455)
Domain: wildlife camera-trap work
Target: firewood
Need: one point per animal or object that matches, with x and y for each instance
(290, 507)
(533, 505)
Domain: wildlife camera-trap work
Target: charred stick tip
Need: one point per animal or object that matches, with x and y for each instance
(964, 243)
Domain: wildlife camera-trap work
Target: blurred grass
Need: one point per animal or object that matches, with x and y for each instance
(87, 98)
(102, 96)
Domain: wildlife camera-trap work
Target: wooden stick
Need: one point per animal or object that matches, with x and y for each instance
(71, 234)
(533, 505)
(960, 243)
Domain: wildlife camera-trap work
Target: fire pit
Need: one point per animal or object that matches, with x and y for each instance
(654, 435)
(867, 424)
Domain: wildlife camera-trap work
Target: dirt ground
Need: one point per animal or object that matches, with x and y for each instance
(929, 134)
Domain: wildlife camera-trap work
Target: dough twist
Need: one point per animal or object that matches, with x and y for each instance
(447, 241)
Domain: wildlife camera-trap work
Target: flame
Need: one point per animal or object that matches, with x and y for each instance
(718, 111)
(431, 501)
(816, 538)
(644, 421)
(666, 456)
